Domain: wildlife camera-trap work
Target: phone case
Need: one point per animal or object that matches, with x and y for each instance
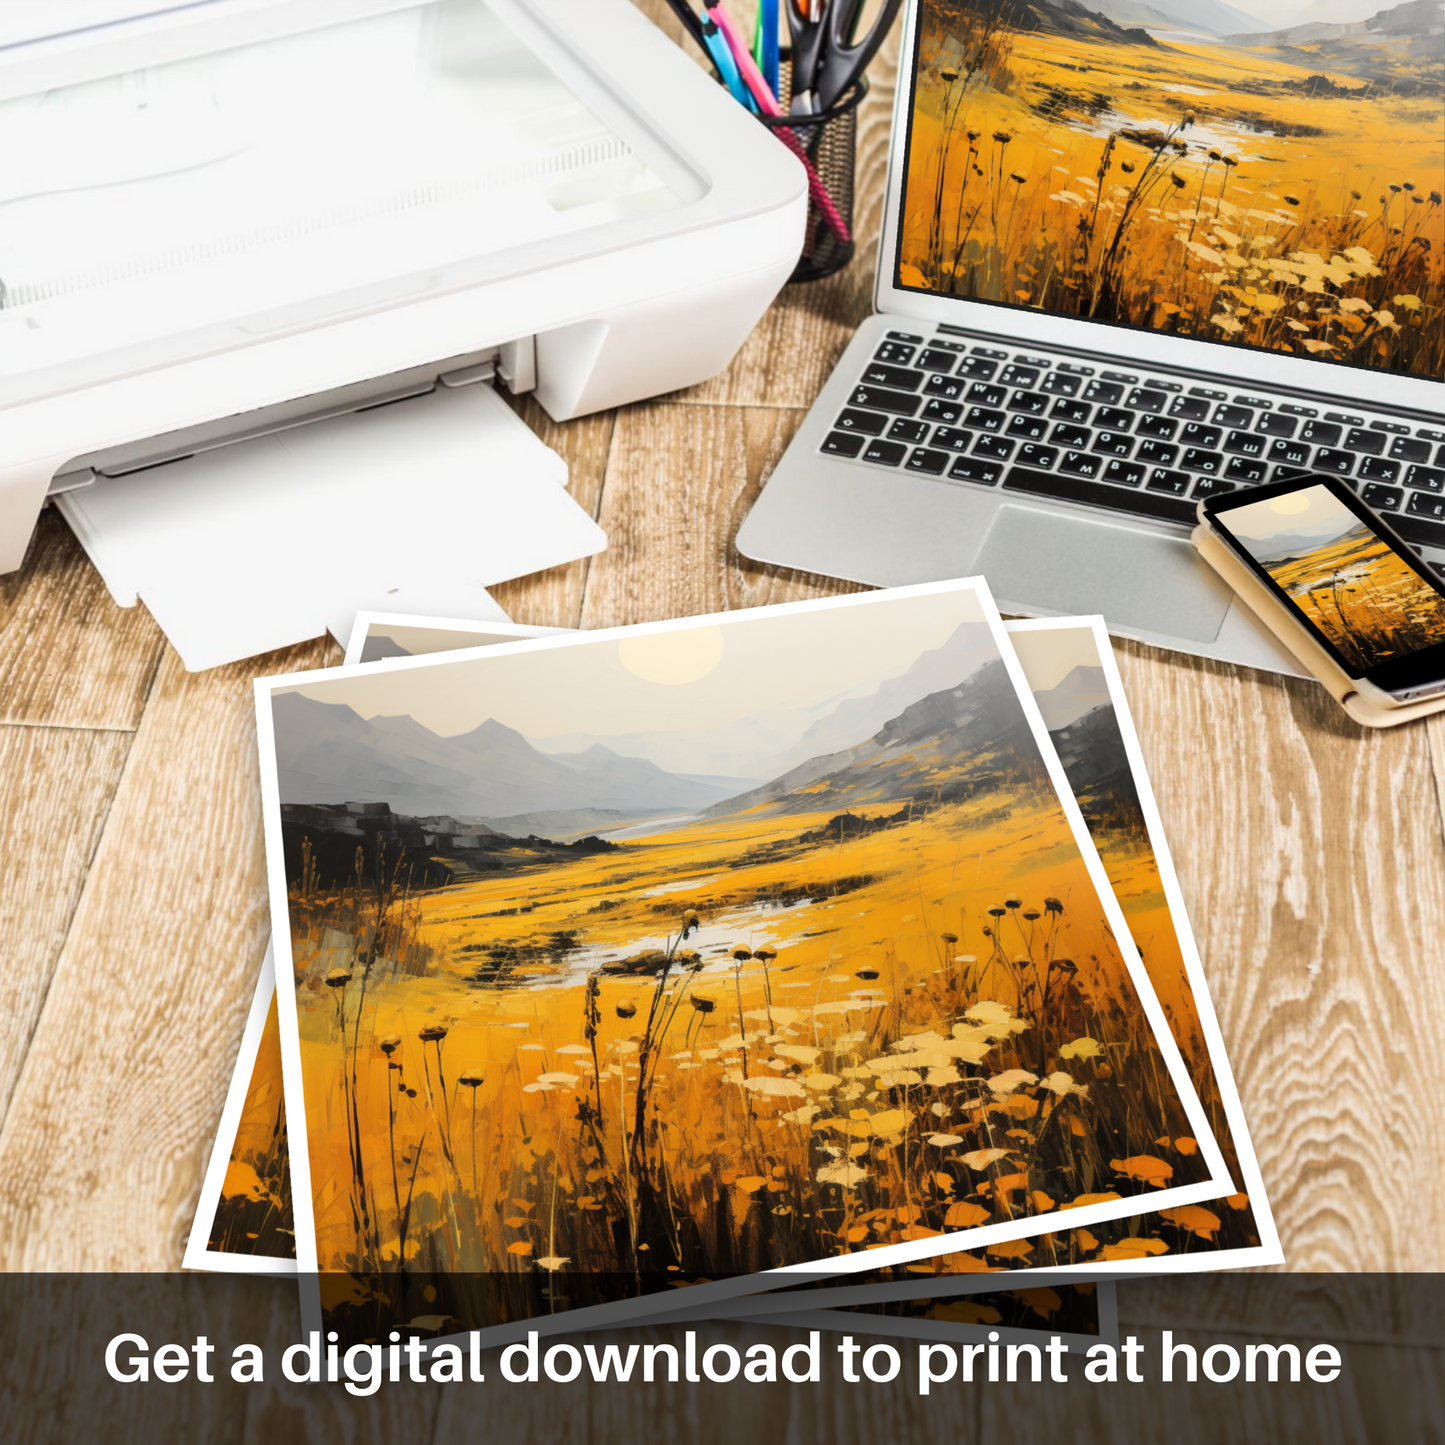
(1296, 637)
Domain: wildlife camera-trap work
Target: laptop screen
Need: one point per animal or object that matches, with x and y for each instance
(1265, 175)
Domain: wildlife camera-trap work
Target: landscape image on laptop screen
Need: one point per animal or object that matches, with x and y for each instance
(1268, 174)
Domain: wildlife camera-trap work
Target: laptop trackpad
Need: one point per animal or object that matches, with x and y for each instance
(1073, 565)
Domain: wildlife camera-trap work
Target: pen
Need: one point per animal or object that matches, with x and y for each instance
(768, 105)
(724, 57)
(688, 17)
(765, 42)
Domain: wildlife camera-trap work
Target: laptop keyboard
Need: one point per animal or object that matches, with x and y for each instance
(1144, 445)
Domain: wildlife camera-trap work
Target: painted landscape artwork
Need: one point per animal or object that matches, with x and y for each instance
(1247, 174)
(697, 952)
(1364, 597)
(253, 1215)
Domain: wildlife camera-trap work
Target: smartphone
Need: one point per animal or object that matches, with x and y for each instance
(1344, 576)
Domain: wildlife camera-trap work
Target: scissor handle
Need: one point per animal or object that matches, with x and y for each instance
(843, 60)
(809, 37)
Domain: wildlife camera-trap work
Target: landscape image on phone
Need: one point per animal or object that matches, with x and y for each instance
(1366, 599)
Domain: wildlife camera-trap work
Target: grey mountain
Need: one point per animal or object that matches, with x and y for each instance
(376, 647)
(1071, 697)
(328, 753)
(1417, 18)
(771, 742)
(1295, 544)
(1207, 15)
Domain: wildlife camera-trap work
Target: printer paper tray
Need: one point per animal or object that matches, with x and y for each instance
(416, 506)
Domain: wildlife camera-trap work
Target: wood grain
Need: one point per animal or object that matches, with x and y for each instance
(115, 1109)
(69, 657)
(679, 482)
(56, 786)
(1311, 858)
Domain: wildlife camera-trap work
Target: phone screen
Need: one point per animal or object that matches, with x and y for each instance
(1362, 593)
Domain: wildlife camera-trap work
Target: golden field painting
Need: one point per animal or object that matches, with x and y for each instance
(851, 988)
(1280, 189)
(1368, 601)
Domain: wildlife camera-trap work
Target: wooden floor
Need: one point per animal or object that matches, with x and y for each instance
(133, 911)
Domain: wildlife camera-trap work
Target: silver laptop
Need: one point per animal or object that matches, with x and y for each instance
(1121, 270)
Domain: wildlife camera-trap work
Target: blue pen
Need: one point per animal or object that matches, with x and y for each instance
(727, 67)
(768, 28)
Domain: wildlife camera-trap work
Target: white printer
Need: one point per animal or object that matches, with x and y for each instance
(232, 231)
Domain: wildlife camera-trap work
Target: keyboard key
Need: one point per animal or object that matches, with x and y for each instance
(1031, 428)
(867, 422)
(1016, 375)
(1395, 428)
(1208, 393)
(886, 454)
(1075, 411)
(843, 444)
(982, 419)
(1382, 499)
(1124, 474)
(1081, 464)
(997, 448)
(948, 387)
(1429, 434)
(1142, 398)
(1040, 457)
(1377, 469)
(1035, 403)
(1440, 457)
(958, 347)
(984, 395)
(945, 411)
(877, 398)
(933, 463)
(1344, 418)
(1426, 479)
(1189, 408)
(1157, 385)
(1244, 444)
(1245, 469)
(1060, 383)
(1195, 435)
(1127, 377)
(895, 353)
(1156, 454)
(877, 374)
(1114, 418)
(978, 368)
(1322, 433)
(1233, 416)
(1407, 449)
(935, 360)
(1293, 410)
(905, 430)
(1210, 487)
(1071, 435)
(1272, 424)
(1328, 459)
(991, 351)
(953, 438)
(1418, 530)
(1099, 494)
(1112, 444)
(1424, 504)
(1069, 366)
(1196, 459)
(1156, 426)
(1163, 480)
(971, 469)
(905, 336)
(1292, 454)
(1372, 443)
(1106, 391)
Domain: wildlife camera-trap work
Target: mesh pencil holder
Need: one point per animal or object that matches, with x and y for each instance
(827, 145)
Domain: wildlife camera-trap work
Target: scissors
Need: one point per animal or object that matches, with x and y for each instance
(827, 55)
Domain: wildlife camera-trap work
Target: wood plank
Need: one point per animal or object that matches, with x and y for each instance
(1311, 858)
(554, 598)
(679, 482)
(69, 657)
(56, 786)
(116, 1106)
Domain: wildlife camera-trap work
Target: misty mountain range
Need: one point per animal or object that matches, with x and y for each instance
(1070, 698)
(1294, 544)
(328, 753)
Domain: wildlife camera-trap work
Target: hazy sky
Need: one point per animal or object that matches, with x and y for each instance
(1049, 655)
(1313, 512)
(1281, 14)
(690, 678)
